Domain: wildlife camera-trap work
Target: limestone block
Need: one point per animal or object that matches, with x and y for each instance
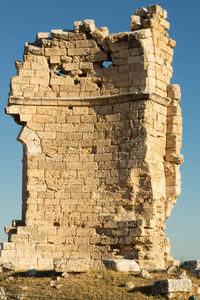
(61, 80)
(100, 34)
(155, 9)
(86, 66)
(148, 47)
(144, 274)
(143, 33)
(173, 91)
(165, 24)
(191, 264)
(171, 43)
(65, 59)
(71, 265)
(174, 110)
(161, 85)
(70, 66)
(25, 117)
(88, 25)
(135, 23)
(34, 50)
(150, 23)
(196, 288)
(174, 128)
(40, 64)
(85, 44)
(99, 56)
(2, 294)
(77, 26)
(121, 265)
(55, 59)
(43, 35)
(78, 52)
(173, 285)
(142, 12)
(26, 73)
(174, 120)
(174, 143)
(55, 51)
(13, 109)
(30, 140)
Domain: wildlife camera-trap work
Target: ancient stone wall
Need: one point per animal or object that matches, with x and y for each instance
(101, 135)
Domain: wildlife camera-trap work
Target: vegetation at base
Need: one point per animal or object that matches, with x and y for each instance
(92, 285)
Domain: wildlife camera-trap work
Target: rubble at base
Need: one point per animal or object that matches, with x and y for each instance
(121, 265)
(173, 285)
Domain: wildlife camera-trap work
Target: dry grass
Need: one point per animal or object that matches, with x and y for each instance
(111, 285)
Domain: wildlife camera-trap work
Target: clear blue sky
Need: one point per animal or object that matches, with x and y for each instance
(21, 20)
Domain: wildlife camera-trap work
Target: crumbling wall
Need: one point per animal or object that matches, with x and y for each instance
(101, 134)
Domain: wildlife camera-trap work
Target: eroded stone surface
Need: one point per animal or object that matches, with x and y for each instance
(191, 264)
(101, 132)
(123, 265)
(78, 265)
(130, 285)
(144, 274)
(173, 285)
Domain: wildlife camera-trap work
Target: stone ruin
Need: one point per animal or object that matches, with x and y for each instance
(101, 135)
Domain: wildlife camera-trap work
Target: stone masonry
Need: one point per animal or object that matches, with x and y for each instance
(101, 134)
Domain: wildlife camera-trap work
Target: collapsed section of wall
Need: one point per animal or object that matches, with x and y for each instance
(101, 133)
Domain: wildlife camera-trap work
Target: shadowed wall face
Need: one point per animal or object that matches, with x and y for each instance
(101, 144)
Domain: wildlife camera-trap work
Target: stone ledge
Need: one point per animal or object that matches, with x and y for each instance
(93, 101)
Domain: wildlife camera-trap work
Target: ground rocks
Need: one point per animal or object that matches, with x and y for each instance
(7, 267)
(58, 286)
(172, 285)
(182, 275)
(123, 265)
(2, 294)
(196, 288)
(65, 275)
(129, 285)
(172, 269)
(191, 264)
(144, 274)
(196, 273)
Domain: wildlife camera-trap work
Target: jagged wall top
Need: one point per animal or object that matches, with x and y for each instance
(71, 64)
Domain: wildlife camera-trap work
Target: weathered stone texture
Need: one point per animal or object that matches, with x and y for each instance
(173, 285)
(101, 144)
(78, 265)
(191, 265)
(122, 265)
